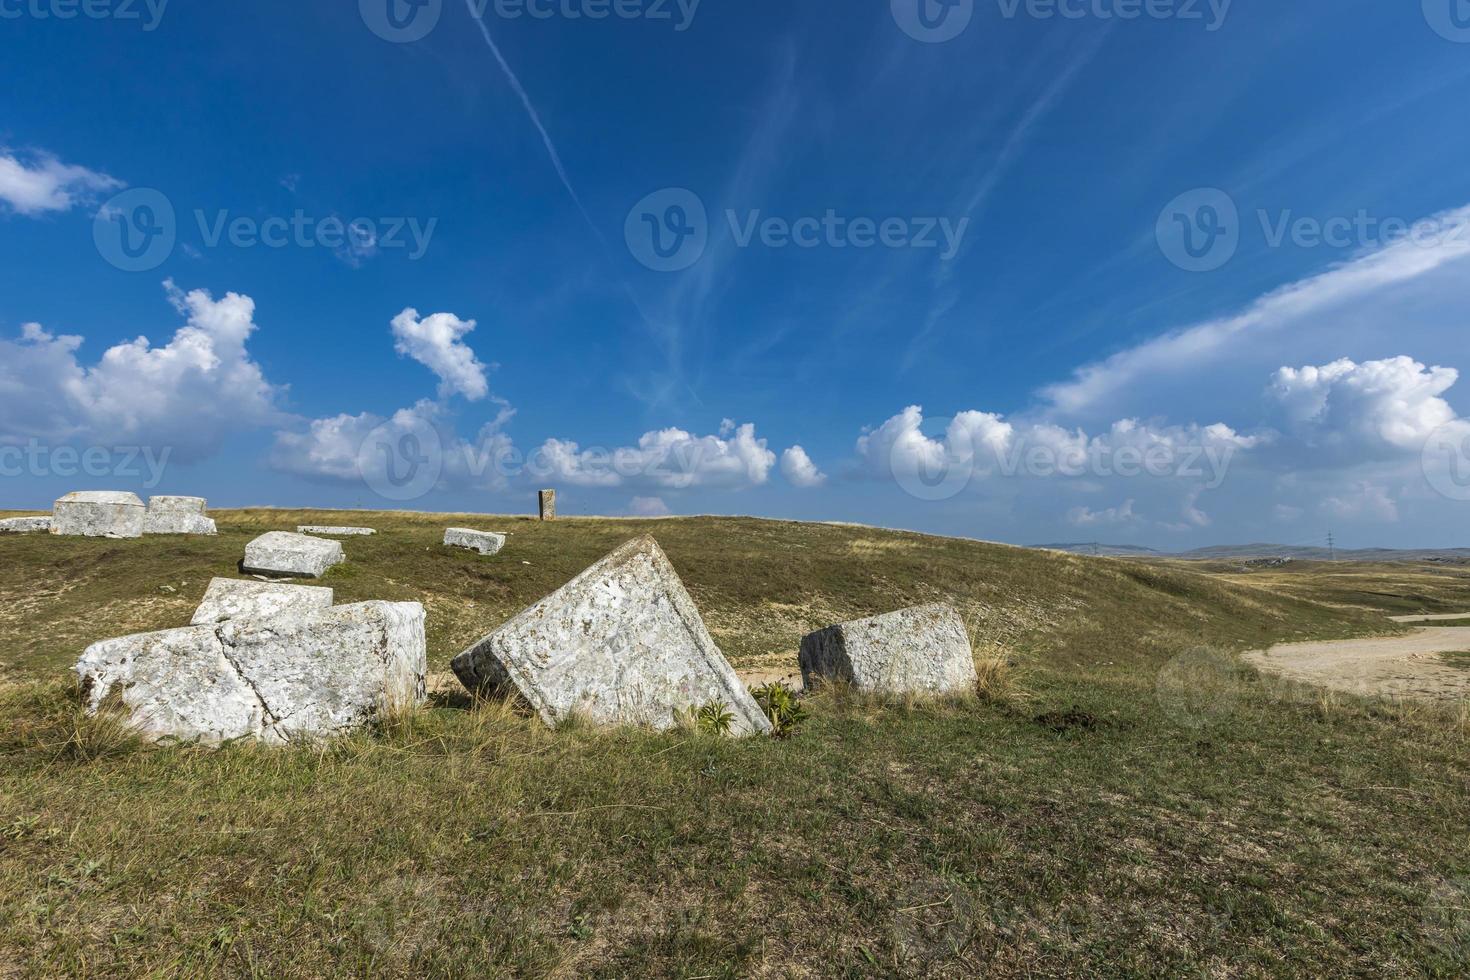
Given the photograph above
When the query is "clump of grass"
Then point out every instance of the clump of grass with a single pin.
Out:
(782, 708)
(998, 675)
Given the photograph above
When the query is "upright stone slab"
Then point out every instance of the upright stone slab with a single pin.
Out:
(485, 542)
(325, 531)
(292, 555)
(621, 644)
(177, 515)
(546, 504)
(231, 598)
(98, 514)
(25, 525)
(923, 650)
(274, 680)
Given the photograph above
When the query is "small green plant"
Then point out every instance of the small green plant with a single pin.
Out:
(781, 707)
(714, 718)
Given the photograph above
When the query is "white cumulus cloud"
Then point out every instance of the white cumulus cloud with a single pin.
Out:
(1373, 407)
(47, 184)
(437, 342)
(799, 470)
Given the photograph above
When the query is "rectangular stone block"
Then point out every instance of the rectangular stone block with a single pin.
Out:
(546, 504)
(485, 542)
(336, 532)
(25, 525)
(621, 644)
(230, 598)
(923, 650)
(99, 514)
(177, 515)
(293, 555)
(275, 680)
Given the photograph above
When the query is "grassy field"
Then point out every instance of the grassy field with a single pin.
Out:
(1129, 801)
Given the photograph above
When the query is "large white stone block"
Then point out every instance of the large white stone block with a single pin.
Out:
(287, 554)
(923, 650)
(276, 680)
(485, 542)
(621, 644)
(231, 598)
(98, 514)
(335, 532)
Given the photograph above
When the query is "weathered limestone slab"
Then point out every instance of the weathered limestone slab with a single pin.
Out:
(621, 644)
(485, 542)
(923, 650)
(230, 598)
(25, 525)
(177, 515)
(284, 553)
(336, 532)
(546, 504)
(274, 680)
(98, 514)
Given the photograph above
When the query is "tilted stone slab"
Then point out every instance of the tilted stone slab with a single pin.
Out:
(25, 525)
(923, 650)
(274, 680)
(286, 554)
(485, 542)
(98, 514)
(178, 515)
(621, 644)
(336, 532)
(231, 598)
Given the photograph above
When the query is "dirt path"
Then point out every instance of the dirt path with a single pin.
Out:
(1402, 666)
(1441, 617)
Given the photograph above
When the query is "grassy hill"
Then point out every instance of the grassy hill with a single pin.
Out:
(1132, 801)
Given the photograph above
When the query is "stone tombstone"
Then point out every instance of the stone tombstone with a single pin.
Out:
(621, 644)
(485, 542)
(177, 515)
(99, 514)
(546, 502)
(923, 650)
(230, 598)
(327, 531)
(292, 555)
(274, 680)
(25, 525)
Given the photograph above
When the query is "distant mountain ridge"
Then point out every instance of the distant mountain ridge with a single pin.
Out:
(1233, 552)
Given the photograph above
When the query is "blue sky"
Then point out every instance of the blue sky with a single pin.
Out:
(1145, 279)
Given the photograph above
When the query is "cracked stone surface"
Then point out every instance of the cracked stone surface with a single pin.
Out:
(99, 514)
(297, 676)
(229, 598)
(485, 542)
(621, 644)
(287, 554)
(177, 515)
(25, 525)
(923, 650)
(336, 532)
